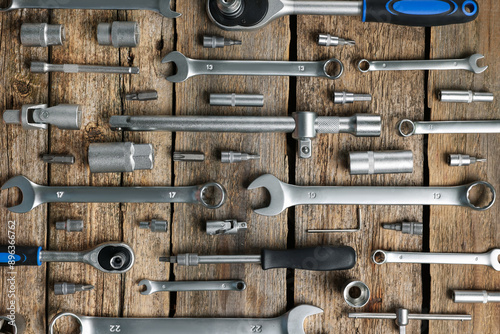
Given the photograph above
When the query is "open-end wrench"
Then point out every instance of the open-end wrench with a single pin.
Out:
(159, 6)
(110, 257)
(408, 128)
(486, 259)
(291, 322)
(187, 67)
(152, 286)
(469, 64)
(284, 195)
(35, 194)
(255, 14)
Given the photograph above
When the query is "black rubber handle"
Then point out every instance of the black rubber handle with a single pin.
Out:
(423, 13)
(321, 258)
(20, 256)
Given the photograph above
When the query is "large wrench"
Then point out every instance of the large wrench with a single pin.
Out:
(291, 322)
(469, 64)
(187, 67)
(284, 195)
(153, 286)
(35, 194)
(159, 6)
(409, 128)
(486, 259)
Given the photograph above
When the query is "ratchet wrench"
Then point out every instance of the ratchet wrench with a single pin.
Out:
(35, 194)
(284, 195)
(187, 67)
(153, 287)
(110, 257)
(486, 259)
(469, 64)
(255, 14)
(409, 128)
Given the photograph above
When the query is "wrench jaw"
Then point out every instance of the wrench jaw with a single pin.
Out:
(277, 192)
(293, 321)
(473, 60)
(495, 258)
(165, 10)
(182, 64)
(28, 190)
(62, 315)
(147, 284)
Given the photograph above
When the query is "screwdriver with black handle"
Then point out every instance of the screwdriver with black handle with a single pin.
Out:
(320, 258)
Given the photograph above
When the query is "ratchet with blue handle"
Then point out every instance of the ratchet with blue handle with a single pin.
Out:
(255, 14)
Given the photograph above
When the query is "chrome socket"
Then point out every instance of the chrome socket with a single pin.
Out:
(364, 295)
(382, 162)
(464, 96)
(42, 34)
(120, 157)
(237, 100)
(118, 34)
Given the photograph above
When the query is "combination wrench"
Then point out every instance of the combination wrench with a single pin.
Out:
(159, 6)
(35, 194)
(469, 64)
(154, 286)
(408, 128)
(490, 258)
(187, 67)
(291, 322)
(110, 257)
(284, 195)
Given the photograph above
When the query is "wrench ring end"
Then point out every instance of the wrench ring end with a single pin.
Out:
(147, 284)
(61, 315)
(364, 62)
(340, 72)
(412, 127)
(216, 185)
(381, 255)
(490, 187)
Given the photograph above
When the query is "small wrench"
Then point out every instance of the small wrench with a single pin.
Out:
(408, 128)
(284, 195)
(469, 64)
(34, 194)
(486, 259)
(152, 286)
(187, 67)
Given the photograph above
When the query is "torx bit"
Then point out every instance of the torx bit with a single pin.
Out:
(231, 157)
(462, 160)
(155, 225)
(149, 95)
(64, 288)
(58, 159)
(329, 40)
(42, 67)
(189, 156)
(70, 225)
(213, 42)
(406, 227)
(345, 97)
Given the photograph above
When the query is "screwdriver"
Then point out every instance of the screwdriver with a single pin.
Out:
(320, 258)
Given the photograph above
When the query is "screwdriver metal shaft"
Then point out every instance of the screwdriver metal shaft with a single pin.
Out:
(42, 67)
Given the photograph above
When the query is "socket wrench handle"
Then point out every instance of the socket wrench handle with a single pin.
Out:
(408, 128)
(20, 256)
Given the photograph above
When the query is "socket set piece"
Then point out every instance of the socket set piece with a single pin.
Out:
(303, 125)
(70, 225)
(484, 297)
(406, 227)
(457, 160)
(153, 287)
(40, 116)
(155, 225)
(408, 128)
(63, 288)
(118, 34)
(383, 162)
(329, 40)
(232, 157)
(58, 159)
(237, 100)
(345, 97)
(42, 34)
(120, 157)
(213, 42)
(464, 96)
(229, 226)
(149, 95)
(364, 295)
(42, 67)
(189, 156)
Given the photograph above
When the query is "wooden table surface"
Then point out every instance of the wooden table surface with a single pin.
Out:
(396, 95)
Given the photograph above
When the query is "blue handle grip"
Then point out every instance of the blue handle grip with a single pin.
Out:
(20, 255)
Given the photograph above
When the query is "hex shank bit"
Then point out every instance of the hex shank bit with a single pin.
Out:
(41, 67)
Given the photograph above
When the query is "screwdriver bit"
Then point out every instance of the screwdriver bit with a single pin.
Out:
(58, 159)
(64, 288)
(149, 95)
(42, 67)
(462, 160)
(344, 97)
(329, 40)
(155, 225)
(406, 227)
(213, 42)
(231, 157)
(189, 156)
(70, 225)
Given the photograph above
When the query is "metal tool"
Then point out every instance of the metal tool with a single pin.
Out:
(464, 296)
(70, 225)
(155, 225)
(228, 226)
(63, 288)
(381, 162)
(408, 128)
(251, 14)
(464, 96)
(110, 257)
(358, 301)
(119, 34)
(303, 125)
(12, 323)
(321, 258)
(237, 100)
(162, 6)
(347, 230)
(187, 67)
(68, 159)
(213, 42)
(406, 227)
(42, 34)
(34, 194)
(39, 116)
(232, 157)
(120, 157)
(403, 316)
(189, 156)
(284, 195)
(329, 40)
(462, 160)
(469, 64)
(42, 67)
(291, 322)
(344, 97)
(153, 287)
(490, 258)
(149, 95)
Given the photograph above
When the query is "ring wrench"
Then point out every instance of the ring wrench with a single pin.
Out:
(291, 322)
(486, 259)
(255, 14)
(110, 257)
(187, 67)
(153, 287)
(284, 195)
(469, 64)
(443, 127)
(159, 6)
(35, 194)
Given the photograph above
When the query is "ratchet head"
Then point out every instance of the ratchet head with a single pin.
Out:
(276, 190)
(165, 10)
(28, 191)
(293, 321)
(473, 63)
(182, 64)
(111, 257)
